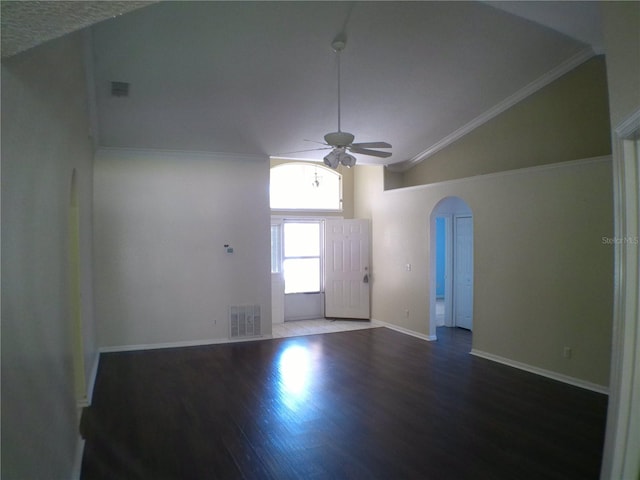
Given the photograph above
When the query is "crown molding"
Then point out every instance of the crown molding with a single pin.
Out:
(552, 75)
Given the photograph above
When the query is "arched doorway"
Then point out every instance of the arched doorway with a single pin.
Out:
(451, 265)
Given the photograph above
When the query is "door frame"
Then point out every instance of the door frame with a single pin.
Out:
(281, 220)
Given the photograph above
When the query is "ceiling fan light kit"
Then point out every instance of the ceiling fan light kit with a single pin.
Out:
(340, 142)
(339, 156)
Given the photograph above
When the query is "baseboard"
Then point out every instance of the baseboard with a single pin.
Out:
(188, 343)
(576, 382)
(406, 331)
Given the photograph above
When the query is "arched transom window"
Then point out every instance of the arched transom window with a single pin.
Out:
(304, 186)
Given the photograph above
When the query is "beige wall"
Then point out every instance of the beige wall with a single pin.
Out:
(367, 187)
(566, 120)
(347, 193)
(44, 137)
(393, 179)
(543, 278)
(162, 274)
(622, 38)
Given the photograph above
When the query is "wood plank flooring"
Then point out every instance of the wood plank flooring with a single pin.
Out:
(365, 404)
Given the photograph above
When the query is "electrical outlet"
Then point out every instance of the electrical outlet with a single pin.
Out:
(408, 267)
(406, 313)
(566, 352)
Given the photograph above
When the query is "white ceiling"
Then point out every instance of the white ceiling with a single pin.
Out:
(260, 77)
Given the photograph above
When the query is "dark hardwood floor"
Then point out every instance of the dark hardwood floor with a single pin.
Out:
(364, 404)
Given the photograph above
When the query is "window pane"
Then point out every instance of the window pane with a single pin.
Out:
(300, 186)
(301, 275)
(301, 239)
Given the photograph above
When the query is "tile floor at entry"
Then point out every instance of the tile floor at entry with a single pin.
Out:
(296, 328)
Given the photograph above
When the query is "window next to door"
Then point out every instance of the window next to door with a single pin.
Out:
(301, 260)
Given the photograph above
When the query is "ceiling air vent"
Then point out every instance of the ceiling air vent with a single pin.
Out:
(119, 89)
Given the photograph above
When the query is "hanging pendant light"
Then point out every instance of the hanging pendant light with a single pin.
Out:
(316, 180)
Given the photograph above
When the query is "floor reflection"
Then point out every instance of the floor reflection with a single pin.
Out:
(297, 368)
(294, 367)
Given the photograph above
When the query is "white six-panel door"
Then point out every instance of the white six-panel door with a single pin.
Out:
(347, 268)
(463, 272)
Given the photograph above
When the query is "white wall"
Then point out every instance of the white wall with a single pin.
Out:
(452, 206)
(162, 274)
(44, 137)
(542, 276)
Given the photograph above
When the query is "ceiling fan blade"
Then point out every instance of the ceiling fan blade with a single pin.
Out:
(373, 153)
(314, 141)
(302, 151)
(372, 161)
(372, 145)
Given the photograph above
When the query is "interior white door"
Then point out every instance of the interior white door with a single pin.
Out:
(347, 268)
(463, 272)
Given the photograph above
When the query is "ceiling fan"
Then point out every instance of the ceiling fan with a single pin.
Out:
(341, 143)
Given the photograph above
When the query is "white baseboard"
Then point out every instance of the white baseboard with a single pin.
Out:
(406, 331)
(188, 343)
(541, 371)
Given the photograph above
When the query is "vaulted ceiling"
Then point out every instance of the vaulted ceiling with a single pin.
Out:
(261, 77)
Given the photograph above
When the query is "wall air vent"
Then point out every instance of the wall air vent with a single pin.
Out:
(244, 321)
(119, 89)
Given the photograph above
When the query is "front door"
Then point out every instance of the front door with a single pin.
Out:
(347, 268)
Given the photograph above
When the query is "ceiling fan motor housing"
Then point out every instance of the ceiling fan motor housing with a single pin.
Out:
(339, 139)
